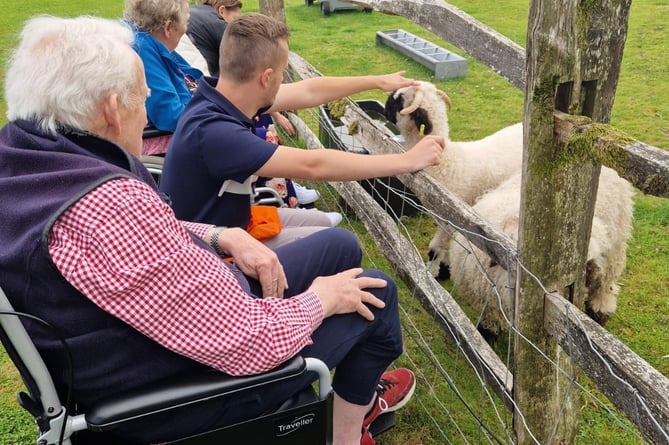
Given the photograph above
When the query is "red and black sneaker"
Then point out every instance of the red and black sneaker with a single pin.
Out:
(393, 391)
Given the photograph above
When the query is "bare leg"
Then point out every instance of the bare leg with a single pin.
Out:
(347, 421)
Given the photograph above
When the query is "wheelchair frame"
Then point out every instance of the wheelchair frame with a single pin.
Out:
(303, 420)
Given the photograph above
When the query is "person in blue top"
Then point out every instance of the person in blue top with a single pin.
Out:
(158, 26)
(215, 156)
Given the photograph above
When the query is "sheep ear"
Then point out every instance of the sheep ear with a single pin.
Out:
(394, 103)
(421, 118)
(417, 100)
(445, 98)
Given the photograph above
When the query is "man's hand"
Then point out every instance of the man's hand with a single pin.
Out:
(343, 293)
(255, 260)
(427, 152)
(394, 81)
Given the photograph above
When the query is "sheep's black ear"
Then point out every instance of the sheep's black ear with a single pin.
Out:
(420, 117)
(393, 107)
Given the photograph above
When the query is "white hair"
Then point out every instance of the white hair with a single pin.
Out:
(64, 68)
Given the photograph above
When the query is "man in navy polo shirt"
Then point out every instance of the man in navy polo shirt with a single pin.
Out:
(214, 155)
(91, 248)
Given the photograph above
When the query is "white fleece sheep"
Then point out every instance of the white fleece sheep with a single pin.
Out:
(611, 229)
(468, 169)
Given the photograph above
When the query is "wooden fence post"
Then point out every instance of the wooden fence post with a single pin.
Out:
(574, 51)
(273, 8)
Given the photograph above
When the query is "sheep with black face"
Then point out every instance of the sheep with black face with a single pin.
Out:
(468, 169)
(486, 174)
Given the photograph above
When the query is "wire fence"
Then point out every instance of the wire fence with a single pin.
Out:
(456, 402)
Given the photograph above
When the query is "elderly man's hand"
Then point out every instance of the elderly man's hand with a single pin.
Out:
(345, 292)
(255, 260)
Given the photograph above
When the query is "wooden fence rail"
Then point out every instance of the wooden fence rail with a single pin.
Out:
(625, 378)
(439, 200)
(636, 388)
(645, 166)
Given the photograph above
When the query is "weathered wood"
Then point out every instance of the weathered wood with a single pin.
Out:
(634, 386)
(410, 267)
(645, 166)
(573, 60)
(298, 68)
(438, 199)
(273, 8)
(491, 48)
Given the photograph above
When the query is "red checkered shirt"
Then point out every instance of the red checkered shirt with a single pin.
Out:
(123, 248)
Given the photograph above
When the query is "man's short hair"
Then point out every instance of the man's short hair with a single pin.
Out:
(251, 43)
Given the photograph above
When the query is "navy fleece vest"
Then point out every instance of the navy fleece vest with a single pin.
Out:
(41, 175)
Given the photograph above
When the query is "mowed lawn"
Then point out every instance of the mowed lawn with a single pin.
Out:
(344, 44)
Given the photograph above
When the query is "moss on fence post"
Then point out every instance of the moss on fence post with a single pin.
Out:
(574, 53)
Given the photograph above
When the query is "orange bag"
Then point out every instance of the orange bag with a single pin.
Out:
(265, 222)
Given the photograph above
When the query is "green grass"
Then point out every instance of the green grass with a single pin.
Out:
(344, 44)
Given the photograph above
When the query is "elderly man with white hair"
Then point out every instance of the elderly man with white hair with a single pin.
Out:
(89, 246)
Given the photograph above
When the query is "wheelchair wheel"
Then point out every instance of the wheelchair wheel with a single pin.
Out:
(325, 8)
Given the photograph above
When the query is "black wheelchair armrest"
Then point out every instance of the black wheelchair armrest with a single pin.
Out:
(153, 132)
(180, 391)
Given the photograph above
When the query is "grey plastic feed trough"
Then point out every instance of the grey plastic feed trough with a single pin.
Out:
(443, 63)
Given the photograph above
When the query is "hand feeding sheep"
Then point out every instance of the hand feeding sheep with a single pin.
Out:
(468, 169)
(473, 271)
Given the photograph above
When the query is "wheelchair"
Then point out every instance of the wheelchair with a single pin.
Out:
(304, 419)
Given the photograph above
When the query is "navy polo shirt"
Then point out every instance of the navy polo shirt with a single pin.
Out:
(214, 147)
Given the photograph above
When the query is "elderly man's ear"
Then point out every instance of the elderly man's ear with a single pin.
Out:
(111, 114)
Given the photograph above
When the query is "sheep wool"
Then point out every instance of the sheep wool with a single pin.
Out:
(468, 168)
(486, 174)
(474, 273)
